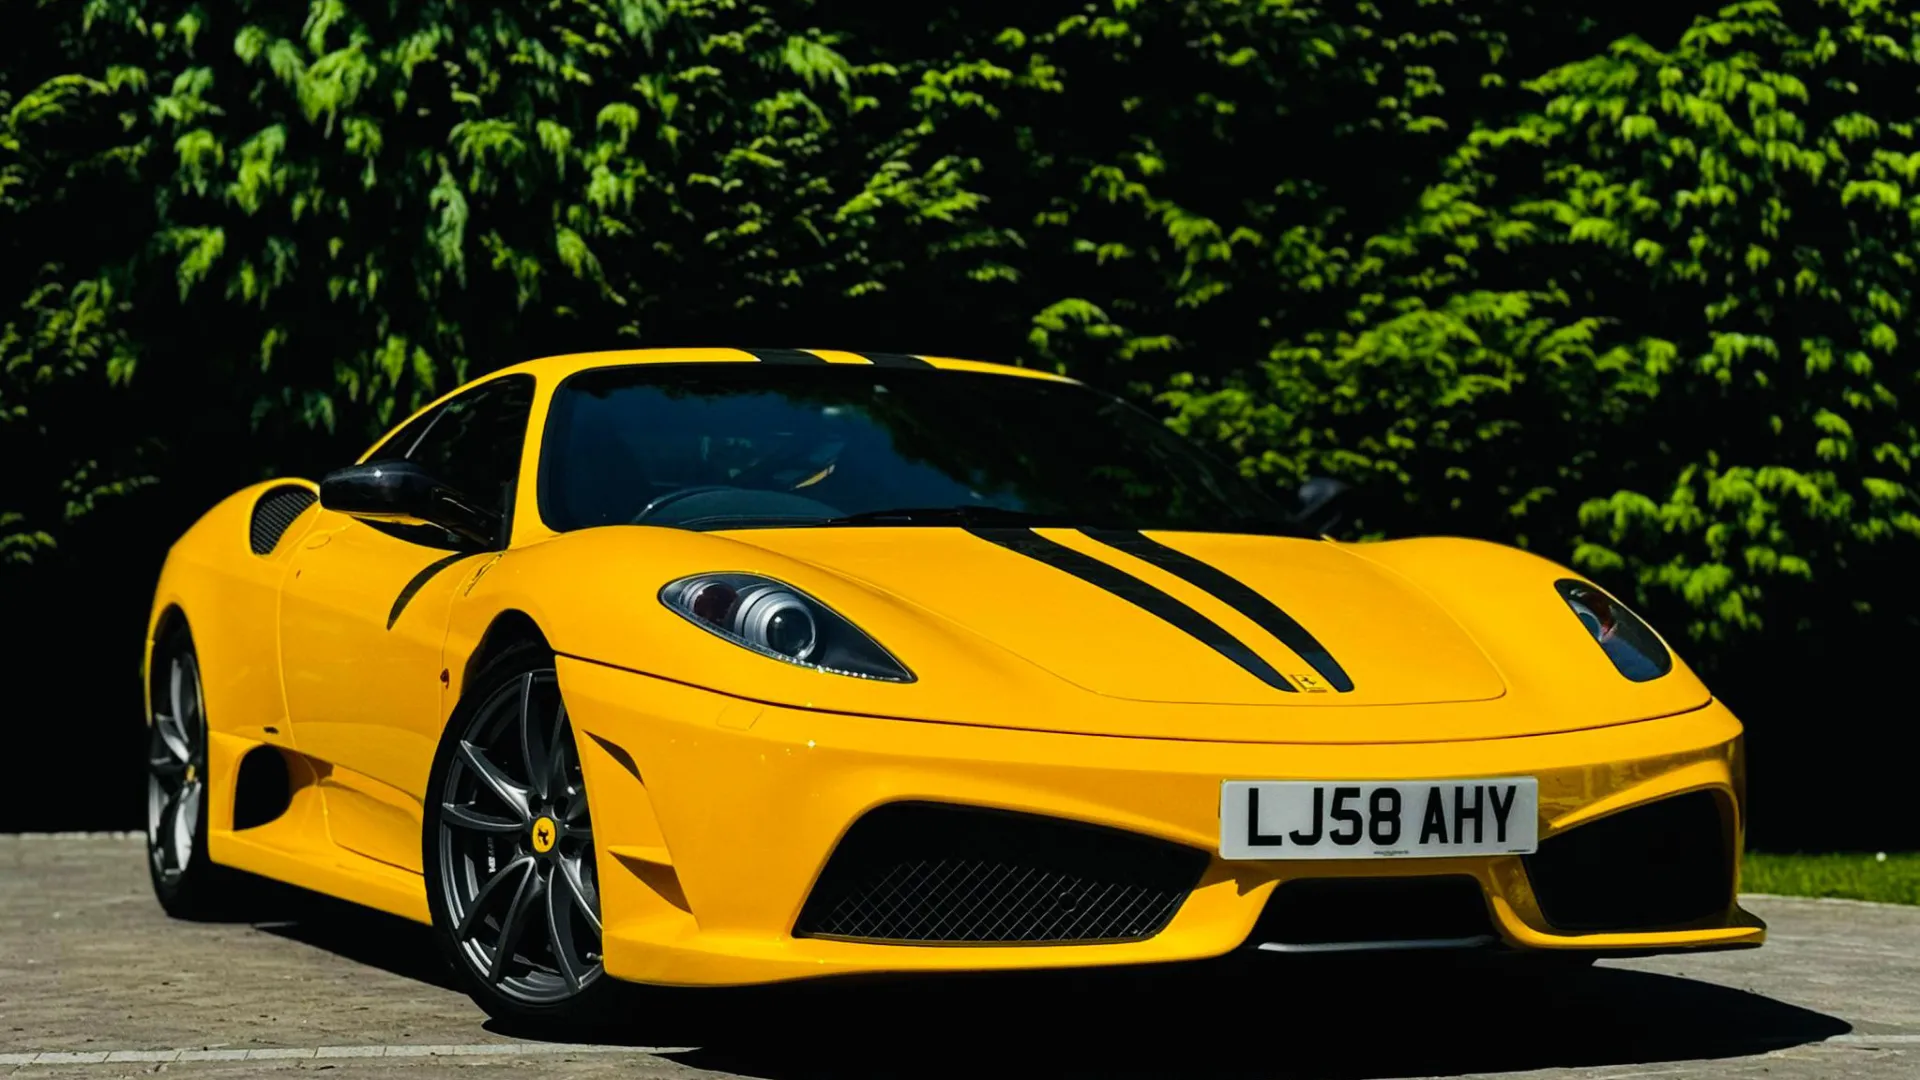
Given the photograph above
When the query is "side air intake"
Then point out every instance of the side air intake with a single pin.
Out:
(1659, 866)
(273, 513)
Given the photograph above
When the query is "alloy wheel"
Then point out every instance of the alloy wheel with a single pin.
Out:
(516, 847)
(176, 767)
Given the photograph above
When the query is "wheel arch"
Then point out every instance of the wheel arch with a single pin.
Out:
(169, 616)
(508, 628)
(536, 596)
(172, 614)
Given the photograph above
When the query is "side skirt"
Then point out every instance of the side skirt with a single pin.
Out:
(295, 847)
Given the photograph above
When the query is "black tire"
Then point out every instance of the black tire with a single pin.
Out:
(185, 880)
(488, 876)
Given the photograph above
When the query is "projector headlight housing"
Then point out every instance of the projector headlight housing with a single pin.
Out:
(779, 621)
(1636, 651)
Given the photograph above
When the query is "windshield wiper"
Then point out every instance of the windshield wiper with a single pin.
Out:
(941, 515)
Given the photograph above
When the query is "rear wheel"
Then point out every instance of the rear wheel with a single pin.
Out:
(187, 883)
(509, 859)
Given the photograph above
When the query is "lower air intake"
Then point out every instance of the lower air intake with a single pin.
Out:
(1662, 865)
(1312, 914)
(926, 873)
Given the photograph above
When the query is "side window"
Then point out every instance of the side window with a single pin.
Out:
(471, 444)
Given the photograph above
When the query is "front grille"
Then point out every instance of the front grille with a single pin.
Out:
(273, 513)
(1327, 911)
(1665, 864)
(928, 873)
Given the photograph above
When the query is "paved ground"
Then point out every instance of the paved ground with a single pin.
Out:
(90, 968)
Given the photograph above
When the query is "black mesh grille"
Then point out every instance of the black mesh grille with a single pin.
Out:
(1318, 911)
(927, 873)
(1665, 864)
(274, 511)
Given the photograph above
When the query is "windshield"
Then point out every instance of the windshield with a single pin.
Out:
(722, 446)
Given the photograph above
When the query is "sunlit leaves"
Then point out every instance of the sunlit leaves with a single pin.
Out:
(1638, 301)
(1704, 258)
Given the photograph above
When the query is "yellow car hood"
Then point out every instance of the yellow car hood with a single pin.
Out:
(1442, 639)
(1109, 615)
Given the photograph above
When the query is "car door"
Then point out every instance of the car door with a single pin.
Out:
(363, 618)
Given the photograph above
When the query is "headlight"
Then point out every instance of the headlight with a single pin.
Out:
(1627, 641)
(777, 620)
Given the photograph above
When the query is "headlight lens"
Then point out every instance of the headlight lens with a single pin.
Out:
(1628, 642)
(777, 620)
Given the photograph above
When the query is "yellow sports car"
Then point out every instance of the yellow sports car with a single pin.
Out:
(721, 666)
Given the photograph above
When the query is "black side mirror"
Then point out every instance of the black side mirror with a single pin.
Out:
(1320, 510)
(402, 492)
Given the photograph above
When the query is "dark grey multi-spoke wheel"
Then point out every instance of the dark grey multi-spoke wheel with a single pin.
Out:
(509, 848)
(176, 764)
(187, 883)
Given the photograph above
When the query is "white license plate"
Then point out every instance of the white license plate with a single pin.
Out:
(1417, 819)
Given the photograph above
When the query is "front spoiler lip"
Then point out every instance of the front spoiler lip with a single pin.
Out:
(1486, 943)
(1322, 948)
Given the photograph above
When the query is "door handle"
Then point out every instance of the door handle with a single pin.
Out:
(318, 540)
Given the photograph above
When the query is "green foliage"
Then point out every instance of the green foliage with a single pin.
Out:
(1629, 289)
(62, 335)
(1882, 877)
(1650, 321)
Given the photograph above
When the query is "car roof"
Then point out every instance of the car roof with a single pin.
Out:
(559, 367)
(550, 370)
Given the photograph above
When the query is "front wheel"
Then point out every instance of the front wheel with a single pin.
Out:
(508, 851)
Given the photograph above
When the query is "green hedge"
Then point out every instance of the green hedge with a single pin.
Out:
(1630, 288)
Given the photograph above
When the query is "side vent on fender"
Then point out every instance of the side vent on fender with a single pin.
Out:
(263, 790)
(273, 513)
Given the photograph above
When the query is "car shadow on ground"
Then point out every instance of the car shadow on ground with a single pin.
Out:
(348, 930)
(1260, 1016)
(1253, 1015)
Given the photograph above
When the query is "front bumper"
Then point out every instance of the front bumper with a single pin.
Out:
(713, 817)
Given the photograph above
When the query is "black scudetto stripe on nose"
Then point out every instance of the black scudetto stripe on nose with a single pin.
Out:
(1235, 594)
(1139, 594)
(784, 356)
(894, 359)
(419, 581)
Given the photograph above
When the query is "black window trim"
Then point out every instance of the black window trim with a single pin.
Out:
(431, 414)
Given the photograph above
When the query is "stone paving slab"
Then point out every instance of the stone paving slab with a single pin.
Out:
(96, 982)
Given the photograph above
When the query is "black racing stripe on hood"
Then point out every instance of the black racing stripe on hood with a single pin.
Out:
(1234, 593)
(784, 356)
(894, 359)
(1138, 593)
